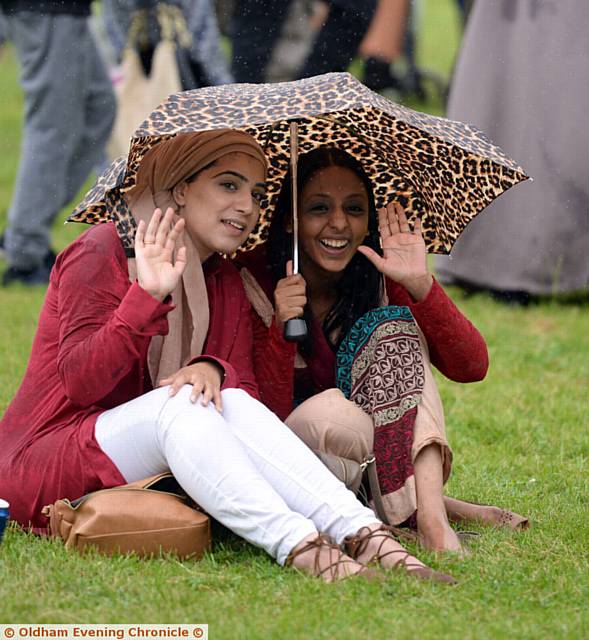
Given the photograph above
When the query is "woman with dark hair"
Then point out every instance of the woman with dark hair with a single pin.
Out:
(344, 274)
(359, 288)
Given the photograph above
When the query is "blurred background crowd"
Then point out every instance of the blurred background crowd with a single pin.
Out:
(91, 71)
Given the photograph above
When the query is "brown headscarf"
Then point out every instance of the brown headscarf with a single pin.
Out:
(162, 168)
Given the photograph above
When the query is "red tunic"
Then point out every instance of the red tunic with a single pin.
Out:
(456, 348)
(90, 354)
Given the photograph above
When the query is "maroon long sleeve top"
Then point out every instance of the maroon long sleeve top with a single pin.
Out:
(90, 354)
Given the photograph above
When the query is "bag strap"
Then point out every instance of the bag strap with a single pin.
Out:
(137, 33)
(369, 465)
(172, 24)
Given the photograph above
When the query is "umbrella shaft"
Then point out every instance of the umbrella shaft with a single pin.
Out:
(295, 234)
(294, 156)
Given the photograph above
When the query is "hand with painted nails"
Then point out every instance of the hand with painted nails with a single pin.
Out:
(206, 379)
(404, 258)
(158, 271)
(289, 296)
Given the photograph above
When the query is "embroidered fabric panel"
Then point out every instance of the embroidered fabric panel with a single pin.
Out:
(381, 369)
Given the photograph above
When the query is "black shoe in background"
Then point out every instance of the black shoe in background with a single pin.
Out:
(30, 277)
(49, 259)
(513, 298)
(37, 276)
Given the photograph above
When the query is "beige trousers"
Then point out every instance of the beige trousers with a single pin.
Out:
(331, 423)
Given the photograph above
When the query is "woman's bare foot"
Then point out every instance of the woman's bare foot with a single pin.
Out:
(319, 556)
(375, 543)
(436, 534)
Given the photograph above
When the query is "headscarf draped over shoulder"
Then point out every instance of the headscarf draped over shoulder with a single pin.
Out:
(163, 167)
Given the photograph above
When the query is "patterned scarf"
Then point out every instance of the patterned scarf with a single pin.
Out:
(379, 366)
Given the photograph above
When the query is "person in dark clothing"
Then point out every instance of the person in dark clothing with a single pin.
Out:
(257, 26)
(340, 37)
(68, 118)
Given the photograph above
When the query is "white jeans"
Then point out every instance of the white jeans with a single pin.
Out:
(244, 467)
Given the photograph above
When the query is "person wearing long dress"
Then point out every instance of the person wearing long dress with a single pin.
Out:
(523, 78)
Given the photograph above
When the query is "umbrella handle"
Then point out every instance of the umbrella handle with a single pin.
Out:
(295, 330)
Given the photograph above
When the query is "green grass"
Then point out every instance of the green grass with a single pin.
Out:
(519, 440)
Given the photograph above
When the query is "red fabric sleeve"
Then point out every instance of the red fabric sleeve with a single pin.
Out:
(274, 360)
(456, 347)
(104, 325)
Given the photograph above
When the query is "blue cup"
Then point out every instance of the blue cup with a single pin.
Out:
(3, 516)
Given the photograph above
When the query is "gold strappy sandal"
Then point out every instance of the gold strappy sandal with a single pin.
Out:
(335, 569)
(357, 544)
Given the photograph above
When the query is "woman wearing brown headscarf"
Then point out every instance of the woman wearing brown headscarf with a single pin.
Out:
(142, 365)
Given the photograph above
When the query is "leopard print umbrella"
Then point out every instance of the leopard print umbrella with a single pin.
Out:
(443, 171)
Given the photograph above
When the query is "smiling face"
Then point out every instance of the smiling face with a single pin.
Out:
(333, 219)
(221, 205)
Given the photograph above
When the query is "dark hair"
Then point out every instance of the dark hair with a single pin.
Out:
(360, 286)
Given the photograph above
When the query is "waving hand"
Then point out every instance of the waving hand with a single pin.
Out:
(404, 258)
(157, 271)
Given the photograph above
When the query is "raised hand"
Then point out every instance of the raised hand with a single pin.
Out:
(289, 297)
(157, 272)
(404, 258)
(205, 377)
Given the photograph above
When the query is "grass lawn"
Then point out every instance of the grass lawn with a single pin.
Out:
(519, 440)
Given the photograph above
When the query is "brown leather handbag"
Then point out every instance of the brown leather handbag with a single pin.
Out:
(147, 517)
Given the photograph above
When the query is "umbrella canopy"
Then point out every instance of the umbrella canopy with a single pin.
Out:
(442, 171)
